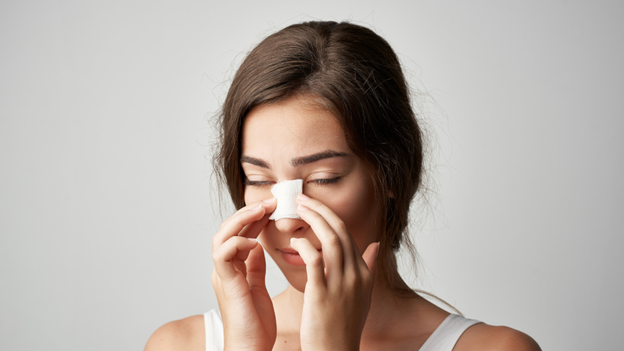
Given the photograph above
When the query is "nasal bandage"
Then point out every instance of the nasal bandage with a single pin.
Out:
(286, 193)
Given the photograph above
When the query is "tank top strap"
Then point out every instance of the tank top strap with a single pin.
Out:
(214, 330)
(448, 332)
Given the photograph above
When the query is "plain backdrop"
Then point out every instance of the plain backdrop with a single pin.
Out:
(107, 206)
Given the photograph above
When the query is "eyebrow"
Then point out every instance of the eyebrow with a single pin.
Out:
(254, 161)
(297, 161)
(300, 161)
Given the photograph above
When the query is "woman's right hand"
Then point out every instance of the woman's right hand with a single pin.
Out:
(238, 279)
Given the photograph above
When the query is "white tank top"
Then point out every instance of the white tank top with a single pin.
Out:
(214, 330)
(443, 338)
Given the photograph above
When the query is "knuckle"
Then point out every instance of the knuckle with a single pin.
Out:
(314, 205)
(316, 261)
(218, 256)
(317, 205)
(334, 241)
(352, 280)
(340, 226)
(225, 223)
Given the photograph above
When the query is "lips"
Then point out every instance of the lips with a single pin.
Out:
(292, 257)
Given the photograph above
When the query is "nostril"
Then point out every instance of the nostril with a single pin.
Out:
(290, 225)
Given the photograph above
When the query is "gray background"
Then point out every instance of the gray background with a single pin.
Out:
(106, 203)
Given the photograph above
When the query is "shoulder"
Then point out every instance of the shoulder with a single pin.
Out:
(485, 337)
(183, 334)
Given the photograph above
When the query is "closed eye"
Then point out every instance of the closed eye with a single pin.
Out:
(326, 181)
(258, 183)
(263, 183)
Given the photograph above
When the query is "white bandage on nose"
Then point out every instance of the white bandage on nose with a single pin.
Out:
(286, 193)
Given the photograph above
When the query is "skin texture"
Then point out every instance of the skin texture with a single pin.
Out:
(337, 300)
(299, 130)
(310, 145)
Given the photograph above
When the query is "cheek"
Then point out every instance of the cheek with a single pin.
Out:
(355, 205)
(255, 194)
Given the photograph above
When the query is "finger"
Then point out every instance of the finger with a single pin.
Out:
(269, 203)
(226, 255)
(313, 259)
(330, 217)
(370, 257)
(253, 229)
(236, 223)
(256, 268)
(331, 243)
(256, 271)
(247, 215)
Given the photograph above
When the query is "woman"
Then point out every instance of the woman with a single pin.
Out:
(326, 103)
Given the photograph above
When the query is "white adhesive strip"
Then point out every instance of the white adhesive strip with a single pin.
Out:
(286, 193)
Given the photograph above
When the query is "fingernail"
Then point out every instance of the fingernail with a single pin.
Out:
(303, 197)
(268, 201)
(253, 240)
(302, 208)
(292, 240)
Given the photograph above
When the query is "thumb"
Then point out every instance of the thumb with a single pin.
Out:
(370, 257)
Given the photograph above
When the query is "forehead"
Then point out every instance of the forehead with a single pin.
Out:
(294, 127)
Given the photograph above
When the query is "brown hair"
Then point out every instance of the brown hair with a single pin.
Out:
(356, 75)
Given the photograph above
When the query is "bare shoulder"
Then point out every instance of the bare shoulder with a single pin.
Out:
(183, 334)
(485, 337)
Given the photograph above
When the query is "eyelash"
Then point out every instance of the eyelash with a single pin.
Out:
(326, 181)
(316, 181)
(257, 183)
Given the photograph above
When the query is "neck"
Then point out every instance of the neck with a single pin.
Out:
(387, 304)
(288, 308)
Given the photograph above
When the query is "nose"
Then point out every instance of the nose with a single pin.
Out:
(291, 226)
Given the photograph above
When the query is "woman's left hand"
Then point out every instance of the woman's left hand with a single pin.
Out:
(339, 281)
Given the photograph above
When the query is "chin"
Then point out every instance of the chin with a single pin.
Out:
(297, 279)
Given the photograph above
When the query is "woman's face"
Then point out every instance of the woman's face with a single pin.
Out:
(295, 139)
